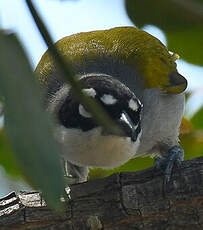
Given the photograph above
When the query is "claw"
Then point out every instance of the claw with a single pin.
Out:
(166, 164)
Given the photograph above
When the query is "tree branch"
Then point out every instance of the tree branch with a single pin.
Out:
(121, 201)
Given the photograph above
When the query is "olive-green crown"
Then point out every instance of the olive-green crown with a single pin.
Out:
(133, 46)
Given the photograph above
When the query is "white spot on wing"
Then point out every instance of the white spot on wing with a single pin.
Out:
(83, 112)
(89, 92)
(133, 105)
(108, 99)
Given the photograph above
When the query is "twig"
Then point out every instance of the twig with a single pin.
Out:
(95, 109)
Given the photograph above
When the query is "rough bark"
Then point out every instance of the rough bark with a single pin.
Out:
(121, 201)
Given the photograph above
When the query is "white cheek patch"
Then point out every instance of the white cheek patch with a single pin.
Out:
(89, 92)
(133, 105)
(83, 112)
(108, 99)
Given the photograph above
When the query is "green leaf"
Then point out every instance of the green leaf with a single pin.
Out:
(132, 165)
(192, 144)
(197, 119)
(7, 159)
(181, 21)
(1, 109)
(28, 126)
(187, 43)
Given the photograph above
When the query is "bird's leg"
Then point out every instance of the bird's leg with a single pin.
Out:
(174, 157)
(75, 174)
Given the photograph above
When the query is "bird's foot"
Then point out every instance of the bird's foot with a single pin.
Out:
(73, 175)
(166, 164)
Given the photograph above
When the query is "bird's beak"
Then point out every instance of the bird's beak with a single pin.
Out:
(127, 126)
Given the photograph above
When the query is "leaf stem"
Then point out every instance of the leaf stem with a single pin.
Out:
(95, 109)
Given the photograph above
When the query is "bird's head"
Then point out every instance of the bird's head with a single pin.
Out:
(133, 47)
(85, 142)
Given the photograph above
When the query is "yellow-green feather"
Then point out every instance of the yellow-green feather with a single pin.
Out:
(130, 45)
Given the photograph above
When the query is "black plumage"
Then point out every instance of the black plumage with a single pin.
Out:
(70, 117)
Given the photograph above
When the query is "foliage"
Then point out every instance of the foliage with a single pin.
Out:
(180, 20)
(28, 127)
(193, 141)
(7, 158)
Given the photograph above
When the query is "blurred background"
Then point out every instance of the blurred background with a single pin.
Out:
(66, 17)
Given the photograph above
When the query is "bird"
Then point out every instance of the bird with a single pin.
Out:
(134, 78)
